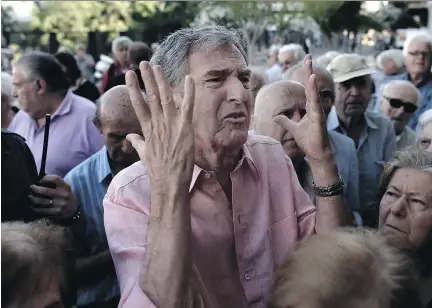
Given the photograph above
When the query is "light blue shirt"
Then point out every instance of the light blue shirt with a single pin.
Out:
(425, 89)
(346, 160)
(345, 154)
(376, 146)
(89, 181)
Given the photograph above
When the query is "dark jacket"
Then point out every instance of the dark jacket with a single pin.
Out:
(18, 172)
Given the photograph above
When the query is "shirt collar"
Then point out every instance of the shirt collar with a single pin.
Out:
(65, 106)
(333, 120)
(245, 156)
(104, 169)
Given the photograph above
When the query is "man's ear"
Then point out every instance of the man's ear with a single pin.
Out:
(41, 86)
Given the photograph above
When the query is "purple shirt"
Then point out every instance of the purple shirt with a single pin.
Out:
(73, 137)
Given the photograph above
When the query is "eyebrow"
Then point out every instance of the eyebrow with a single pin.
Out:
(409, 194)
(226, 72)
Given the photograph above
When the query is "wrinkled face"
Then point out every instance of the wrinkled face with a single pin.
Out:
(325, 87)
(121, 55)
(29, 94)
(222, 109)
(114, 131)
(390, 68)
(290, 103)
(287, 60)
(398, 104)
(426, 137)
(352, 97)
(418, 59)
(406, 208)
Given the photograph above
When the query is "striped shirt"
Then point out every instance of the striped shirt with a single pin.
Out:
(89, 182)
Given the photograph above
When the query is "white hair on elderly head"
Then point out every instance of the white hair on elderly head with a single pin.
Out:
(395, 55)
(323, 61)
(425, 118)
(296, 49)
(6, 85)
(120, 42)
(418, 38)
(399, 83)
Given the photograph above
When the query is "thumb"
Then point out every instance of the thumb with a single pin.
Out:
(137, 142)
(286, 123)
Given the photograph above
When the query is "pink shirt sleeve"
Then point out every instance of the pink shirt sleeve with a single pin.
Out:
(306, 211)
(126, 229)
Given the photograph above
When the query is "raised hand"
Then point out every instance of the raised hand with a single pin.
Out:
(168, 146)
(310, 133)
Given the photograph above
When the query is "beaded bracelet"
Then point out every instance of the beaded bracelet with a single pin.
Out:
(329, 191)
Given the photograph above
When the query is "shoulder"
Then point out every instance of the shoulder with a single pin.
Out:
(378, 119)
(342, 142)
(8, 135)
(85, 169)
(131, 183)
(83, 107)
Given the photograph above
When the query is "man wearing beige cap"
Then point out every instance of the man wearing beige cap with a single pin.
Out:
(372, 134)
(398, 102)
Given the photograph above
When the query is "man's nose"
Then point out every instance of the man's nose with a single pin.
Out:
(127, 147)
(397, 112)
(236, 92)
(355, 90)
(296, 117)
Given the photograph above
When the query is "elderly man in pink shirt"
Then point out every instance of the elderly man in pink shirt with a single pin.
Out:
(209, 213)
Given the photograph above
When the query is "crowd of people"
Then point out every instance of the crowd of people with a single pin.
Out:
(189, 180)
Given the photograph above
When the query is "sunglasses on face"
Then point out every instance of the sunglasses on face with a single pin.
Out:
(326, 94)
(397, 103)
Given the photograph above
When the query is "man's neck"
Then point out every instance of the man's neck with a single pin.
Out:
(220, 161)
(419, 78)
(348, 122)
(52, 104)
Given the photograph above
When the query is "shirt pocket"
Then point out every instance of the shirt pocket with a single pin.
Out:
(283, 237)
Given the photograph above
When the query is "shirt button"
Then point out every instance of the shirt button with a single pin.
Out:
(247, 277)
(207, 175)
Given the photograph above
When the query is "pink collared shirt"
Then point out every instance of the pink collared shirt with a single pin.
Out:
(236, 247)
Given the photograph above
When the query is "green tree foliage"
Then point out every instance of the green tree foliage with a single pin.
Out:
(8, 18)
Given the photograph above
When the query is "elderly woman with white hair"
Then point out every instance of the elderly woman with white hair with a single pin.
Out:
(7, 112)
(289, 55)
(120, 47)
(425, 123)
(417, 53)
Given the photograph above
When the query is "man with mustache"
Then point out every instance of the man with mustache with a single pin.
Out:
(211, 203)
(372, 134)
(399, 101)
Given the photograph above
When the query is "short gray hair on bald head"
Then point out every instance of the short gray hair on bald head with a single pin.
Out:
(120, 42)
(395, 55)
(296, 49)
(173, 53)
(399, 83)
(418, 38)
(315, 67)
(6, 85)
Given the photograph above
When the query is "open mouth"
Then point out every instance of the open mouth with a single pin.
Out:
(235, 115)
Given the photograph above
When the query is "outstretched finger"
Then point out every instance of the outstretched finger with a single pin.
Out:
(308, 65)
(286, 124)
(165, 93)
(137, 98)
(152, 89)
(188, 100)
(313, 97)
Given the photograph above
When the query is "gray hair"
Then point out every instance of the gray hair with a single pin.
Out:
(296, 49)
(120, 42)
(401, 83)
(315, 67)
(6, 85)
(412, 157)
(425, 118)
(80, 46)
(395, 55)
(31, 254)
(173, 53)
(418, 38)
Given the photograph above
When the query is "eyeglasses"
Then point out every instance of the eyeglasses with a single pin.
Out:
(397, 103)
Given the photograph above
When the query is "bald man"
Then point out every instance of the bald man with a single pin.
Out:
(399, 100)
(115, 118)
(288, 98)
